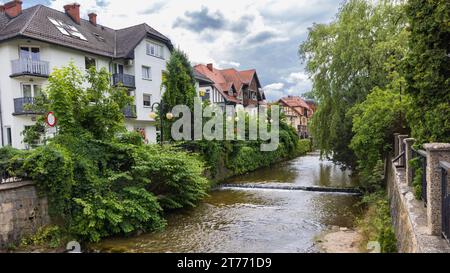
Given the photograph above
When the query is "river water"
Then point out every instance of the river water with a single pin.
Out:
(256, 220)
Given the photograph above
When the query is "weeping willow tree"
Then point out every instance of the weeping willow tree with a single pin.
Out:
(346, 60)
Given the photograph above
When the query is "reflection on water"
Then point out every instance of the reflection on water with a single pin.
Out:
(303, 171)
(254, 220)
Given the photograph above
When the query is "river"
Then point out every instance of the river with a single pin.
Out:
(256, 220)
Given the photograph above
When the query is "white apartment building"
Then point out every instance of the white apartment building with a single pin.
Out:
(36, 40)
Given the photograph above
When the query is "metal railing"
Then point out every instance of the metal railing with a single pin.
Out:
(130, 111)
(422, 155)
(445, 166)
(399, 160)
(23, 106)
(125, 79)
(30, 67)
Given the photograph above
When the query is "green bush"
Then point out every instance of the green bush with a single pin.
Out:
(377, 225)
(108, 213)
(176, 176)
(47, 236)
(52, 167)
(303, 147)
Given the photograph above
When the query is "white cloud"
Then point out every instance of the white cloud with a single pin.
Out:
(225, 64)
(297, 77)
(274, 86)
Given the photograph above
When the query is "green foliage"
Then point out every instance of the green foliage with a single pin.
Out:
(176, 176)
(47, 236)
(11, 161)
(304, 146)
(105, 212)
(95, 111)
(178, 81)
(376, 225)
(428, 69)
(374, 123)
(240, 157)
(347, 60)
(179, 85)
(51, 167)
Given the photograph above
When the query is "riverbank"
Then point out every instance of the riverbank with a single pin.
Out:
(340, 240)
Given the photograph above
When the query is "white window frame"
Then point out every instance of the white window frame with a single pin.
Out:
(30, 55)
(158, 49)
(149, 68)
(32, 85)
(143, 100)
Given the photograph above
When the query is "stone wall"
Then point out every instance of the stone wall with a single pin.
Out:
(22, 211)
(410, 217)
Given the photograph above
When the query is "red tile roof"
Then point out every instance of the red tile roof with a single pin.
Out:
(296, 103)
(227, 79)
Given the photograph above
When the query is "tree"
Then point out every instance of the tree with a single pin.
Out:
(179, 85)
(179, 81)
(428, 69)
(95, 110)
(374, 123)
(346, 60)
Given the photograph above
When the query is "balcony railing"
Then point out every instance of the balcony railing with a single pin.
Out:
(29, 67)
(125, 79)
(130, 111)
(22, 106)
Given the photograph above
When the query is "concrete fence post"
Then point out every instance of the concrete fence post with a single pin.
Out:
(396, 144)
(409, 142)
(435, 152)
(401, 148)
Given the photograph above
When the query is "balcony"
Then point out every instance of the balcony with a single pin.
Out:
(22, 106)
(130, 111)
(28, 67)
(126, 80)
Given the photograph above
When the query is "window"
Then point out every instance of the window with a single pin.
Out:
(89, 62)
(118, 68)
(8, 136)
(147, 98)
(67, 29)
(32, 53)
(146, 73)
(31, 90)
(155, 50)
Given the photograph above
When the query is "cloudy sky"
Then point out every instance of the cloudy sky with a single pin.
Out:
(261, 34)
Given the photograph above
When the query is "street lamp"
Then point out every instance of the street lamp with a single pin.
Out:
(153, 115)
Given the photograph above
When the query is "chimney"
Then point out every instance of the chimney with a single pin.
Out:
(93, 18)
(13, 8)
(210, 67)
(73, 10)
